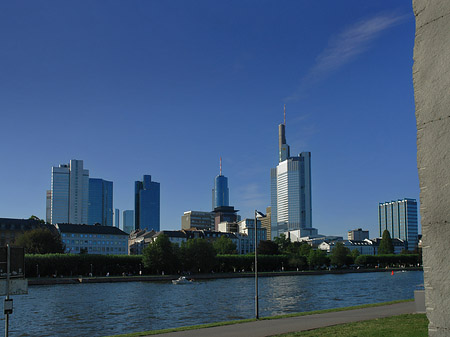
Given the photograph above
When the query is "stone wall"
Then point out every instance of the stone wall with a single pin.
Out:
(431, 74)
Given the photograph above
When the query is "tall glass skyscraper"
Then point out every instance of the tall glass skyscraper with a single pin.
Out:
(147, 204)
(220, 192)
(100, 202)
(69, 193)
(400, 219)
(128, 221)
(291, 191)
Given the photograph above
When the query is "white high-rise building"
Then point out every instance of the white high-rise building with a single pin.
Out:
(291, 210)
(70, 193)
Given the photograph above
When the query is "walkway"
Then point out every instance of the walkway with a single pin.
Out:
(301, 323)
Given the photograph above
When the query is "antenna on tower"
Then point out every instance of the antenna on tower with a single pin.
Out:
(285, 115)
(220, 166)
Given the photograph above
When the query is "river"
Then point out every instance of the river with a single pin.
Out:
(102, 309)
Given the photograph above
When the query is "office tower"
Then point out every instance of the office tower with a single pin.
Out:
(146, 204)
(220, 192)
(128, 221)
(70, 193)
(198, 220)
(400, 219)
(100, 202)
(48, 207)
(116, 218)
(291, 191)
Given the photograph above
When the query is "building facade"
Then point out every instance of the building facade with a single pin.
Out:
(100, 202)
(357, 234)
(128, 221)
(247, 227)
(266, 223)
(147, 204)
(11, 229)
(104, 240)
(197, 220)
(400, 219)
(290, 188)
(70, 193)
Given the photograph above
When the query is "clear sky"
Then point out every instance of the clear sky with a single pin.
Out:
(167, 87)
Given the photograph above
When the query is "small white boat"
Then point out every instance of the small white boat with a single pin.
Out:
(181, 280)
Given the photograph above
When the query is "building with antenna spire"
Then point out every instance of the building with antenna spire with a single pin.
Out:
(291, 211)
(220, 192)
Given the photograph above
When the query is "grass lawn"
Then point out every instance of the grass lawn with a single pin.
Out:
(410, 325)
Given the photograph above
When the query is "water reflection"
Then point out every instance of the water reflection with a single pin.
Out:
(106, 309)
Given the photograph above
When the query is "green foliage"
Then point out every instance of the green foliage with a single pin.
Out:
(237, 263)
(283, 243)
(341, 255)
(355, 254)
(267, 247)
(161, 256)
(34, 217)
(76, 264)
(388, 260)
(318, 258)
(386, 246)
(198, 255)
(224, 245)
(40, 241)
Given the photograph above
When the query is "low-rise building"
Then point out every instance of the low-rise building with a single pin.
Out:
(357, 234)
(93, 239)
(138, 240)
(364, 247)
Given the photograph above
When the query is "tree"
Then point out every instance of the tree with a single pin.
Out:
(341, 255)
(283, 243)
(267, 247)
(40, 241)
(160, 256)
(355, 254)
(198, 255)
(34, 217)
(224, 245)
(317, 258)
(386, 246)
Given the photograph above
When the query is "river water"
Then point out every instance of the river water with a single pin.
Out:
(103, 309)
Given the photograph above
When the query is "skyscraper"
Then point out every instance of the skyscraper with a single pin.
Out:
(400, 219)
(220, 192)
(70, 193)
(128, 221)
(291, 191)
(147, 204)
(100, 202)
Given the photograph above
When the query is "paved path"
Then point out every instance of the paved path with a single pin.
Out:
(301, 323)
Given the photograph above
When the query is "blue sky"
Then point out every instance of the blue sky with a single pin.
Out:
(167, 87)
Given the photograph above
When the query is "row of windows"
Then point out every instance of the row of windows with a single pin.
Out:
(99, 249)
(76, 242)
(90, 236)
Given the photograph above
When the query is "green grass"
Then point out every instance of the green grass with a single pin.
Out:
(410, 325)
(210, 325)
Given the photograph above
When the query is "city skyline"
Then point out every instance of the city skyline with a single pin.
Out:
(165, 88)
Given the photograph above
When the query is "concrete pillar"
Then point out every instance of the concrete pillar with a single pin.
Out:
(431, 74)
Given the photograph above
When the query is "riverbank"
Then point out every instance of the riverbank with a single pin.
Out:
(162, 278)
(279, 325)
